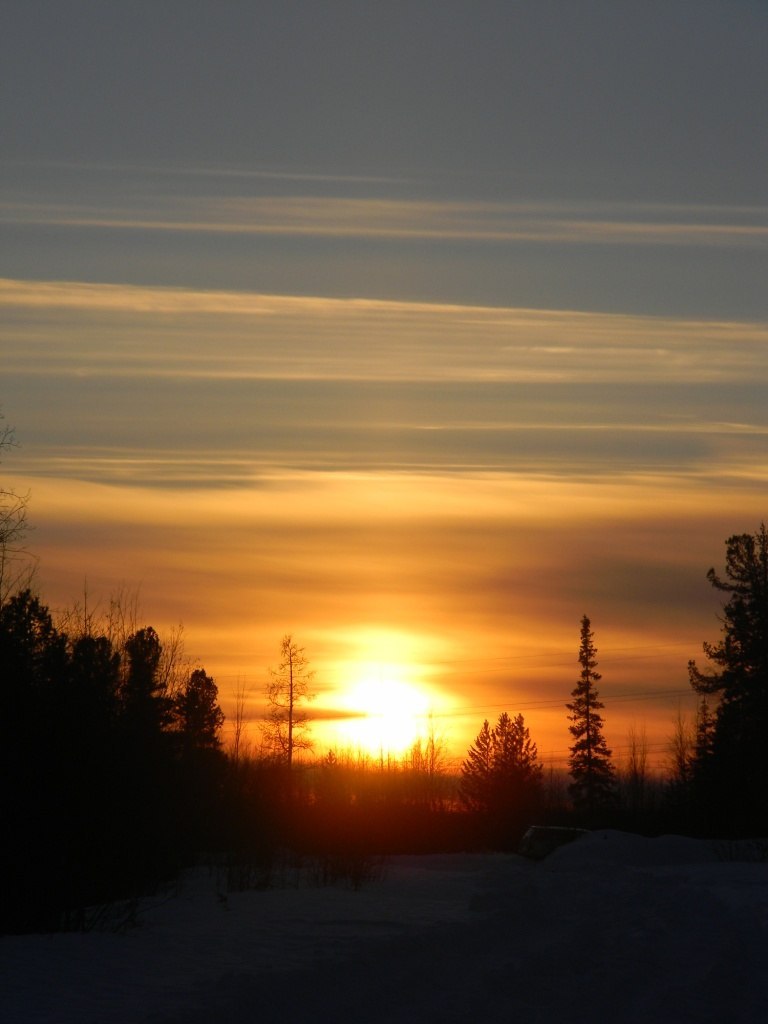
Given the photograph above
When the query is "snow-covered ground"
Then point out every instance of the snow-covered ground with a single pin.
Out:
(611, 928)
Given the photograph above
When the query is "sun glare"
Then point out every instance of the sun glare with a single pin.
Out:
(387, 713)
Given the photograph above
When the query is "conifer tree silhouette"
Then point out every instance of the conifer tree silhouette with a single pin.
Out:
(731, 769)
(590, 759)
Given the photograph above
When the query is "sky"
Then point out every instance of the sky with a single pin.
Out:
(414, 330)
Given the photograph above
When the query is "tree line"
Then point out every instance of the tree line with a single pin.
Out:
(718, 784)
(115, 777)
(111, 760)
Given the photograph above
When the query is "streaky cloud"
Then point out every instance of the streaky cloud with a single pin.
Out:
(211, 171)
(229, 335)
(414, 219)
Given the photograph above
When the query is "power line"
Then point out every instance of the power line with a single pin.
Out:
(553, 702)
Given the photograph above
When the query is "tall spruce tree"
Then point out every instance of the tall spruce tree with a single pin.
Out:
(589, 764)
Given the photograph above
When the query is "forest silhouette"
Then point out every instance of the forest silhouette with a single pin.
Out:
(115, 776)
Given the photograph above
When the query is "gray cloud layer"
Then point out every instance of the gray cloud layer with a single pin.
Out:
(175, 385)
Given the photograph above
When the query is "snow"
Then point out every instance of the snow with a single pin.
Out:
(611, 927)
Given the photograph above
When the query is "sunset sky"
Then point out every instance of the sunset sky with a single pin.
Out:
(415, 330)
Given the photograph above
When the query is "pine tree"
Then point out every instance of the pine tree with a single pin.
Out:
(501, 774)
(198, 715)
(732, 775)
(515, 753)
(477, 770)
(742, 654)
(590, 761)
(145, 702)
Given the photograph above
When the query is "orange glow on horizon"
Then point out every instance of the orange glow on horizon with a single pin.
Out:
(463, 587)
(387, 693)
(387, 713)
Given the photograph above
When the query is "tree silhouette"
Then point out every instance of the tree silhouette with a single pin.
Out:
(16, 569)
(501, 778)
(32, 651)
(286, 726)
(198, 715)
(197, 721)
(741, 655)
(33, 795)
(732, 754)
(146, 705)
(477, 770)
(516, 762)
(109, 785)
(590, 759)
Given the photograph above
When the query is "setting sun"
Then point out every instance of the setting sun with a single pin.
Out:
(387, 714)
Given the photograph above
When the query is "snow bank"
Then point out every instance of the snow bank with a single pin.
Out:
(611, 927)
(609, 847)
